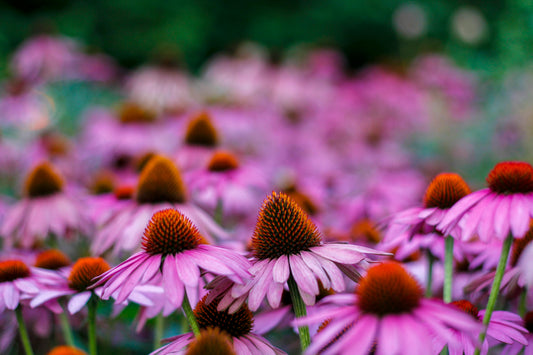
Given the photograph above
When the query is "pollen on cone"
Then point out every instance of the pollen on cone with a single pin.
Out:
(222, 161)
(13, 269)
(283, 228)
(511, 177)
(52, 259)
(388, 289)
(84, 271)
(445, 190)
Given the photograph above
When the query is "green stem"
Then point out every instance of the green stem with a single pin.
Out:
(495, 290)
(298, 306)
(159, 329)
(522, 306)
(92, 305)
(448, 269)
(190, 315)
(429, 283)
(23, 331)
(65, 327)
(219, 212)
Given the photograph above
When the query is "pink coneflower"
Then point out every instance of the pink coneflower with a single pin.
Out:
(16, 284)
(417, 225)
(287, 247)
(76, 285)
(500, 209)
(226, 185)
(237, 325)
(504, 327)
(387, 311)
(173, 254)
(46, 209)
(516, 347)
(160, 186)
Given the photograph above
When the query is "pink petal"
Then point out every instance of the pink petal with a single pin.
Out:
(314, 265)
(390, 334)
(501, 217)
(187, 270)
(11, 297)
(364, 331)
(77, 301)
(304, 278)
(519, 216)
(281, 271)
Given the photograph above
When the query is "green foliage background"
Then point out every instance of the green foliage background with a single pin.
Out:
(131, 30)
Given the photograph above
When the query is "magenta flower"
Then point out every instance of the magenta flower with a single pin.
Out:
(226, 182)
(504, 327)
(238, 325)
(387, 311)
(502, 208)
(286, 244)
(174, 254)
(77, 284)
(415, 228)
(160, 187)
(16, 284)
(45, 209)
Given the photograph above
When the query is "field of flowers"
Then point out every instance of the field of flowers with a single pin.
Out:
(263, 207)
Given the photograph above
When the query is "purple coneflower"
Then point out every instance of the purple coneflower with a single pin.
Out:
(238, 325)
(388, 312)
(45, 209)
(174, 254)
(160, 187)
(66, 350)
(504, 327)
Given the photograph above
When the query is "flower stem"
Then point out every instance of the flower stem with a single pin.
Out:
(65, 327)
(92, 305)
(522, 306)
(448, 269)
(219, 212)
(429, 283)
(23, 331)
(159, 329)
(495, 289)
(298, 306)
(190, 316)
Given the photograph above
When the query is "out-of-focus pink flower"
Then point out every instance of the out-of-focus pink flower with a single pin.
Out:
(46, 208)
(504, 327)
(160, 187)
(16, 284)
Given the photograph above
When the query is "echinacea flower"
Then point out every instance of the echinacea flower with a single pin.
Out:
(494, 212)
(16, 284)
(388, 312)
(160, 187)
(225, 182)
(415, 228)
(174, 254)
(77, 285)
(46, 209)
(238, 325)
(287, 244)
(504, 327)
